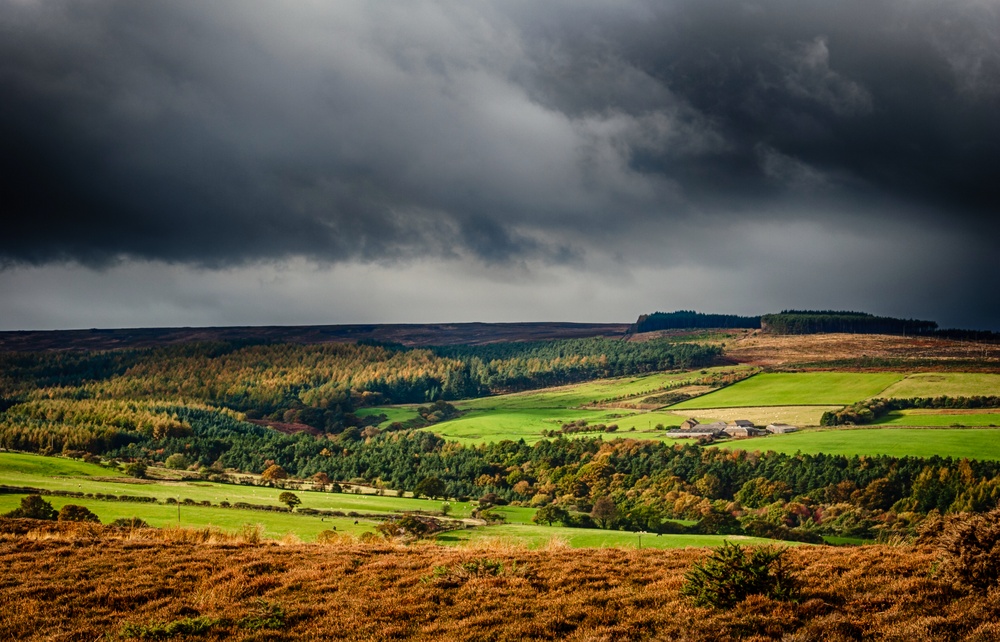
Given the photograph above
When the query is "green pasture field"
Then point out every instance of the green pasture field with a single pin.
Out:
(47, 467)
(971, 443)
(479, 426)
(795, 389)
(939, 418)
(57, 473)
(275, 525)
(307, 527)
(937, 384)
(538, 536)
(645, 421)
(525, 415)
(798, 398)
(401, 414)
(576, 395)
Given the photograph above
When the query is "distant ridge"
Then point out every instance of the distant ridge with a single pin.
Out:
(807, 322)
(408, 334)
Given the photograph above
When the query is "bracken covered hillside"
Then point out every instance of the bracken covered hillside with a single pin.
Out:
(862, 351)
(88, 584)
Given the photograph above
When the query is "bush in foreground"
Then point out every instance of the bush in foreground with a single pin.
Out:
(34, 507)
(732, 573)
(129, 523)
(970, 549)
(74, 513)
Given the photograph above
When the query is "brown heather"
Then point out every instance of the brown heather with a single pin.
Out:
(85, 582)
(930, 353)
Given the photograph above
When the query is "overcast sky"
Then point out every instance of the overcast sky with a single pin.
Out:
(185, 163)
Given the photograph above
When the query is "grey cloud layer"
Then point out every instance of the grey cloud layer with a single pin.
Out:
(226, 133)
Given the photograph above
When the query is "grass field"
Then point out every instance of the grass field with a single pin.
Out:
(393, 413)
(478, 426)
(57, 473)
(798, 398)
(37, 466)
(525, 415)
(535, 536)
(597, 391)
(952, 384)
(275, 525)
(795, 389)
(971, 443)
(940, 418)
(307, 527)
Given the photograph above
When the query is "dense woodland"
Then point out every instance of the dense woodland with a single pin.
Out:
(688, 319)
(807, 322)
(812, 322)
(102, 401)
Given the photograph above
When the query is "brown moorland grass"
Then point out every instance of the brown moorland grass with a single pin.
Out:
(774, 351)
(61, 583)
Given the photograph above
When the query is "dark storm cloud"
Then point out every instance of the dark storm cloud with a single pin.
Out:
(224, 133)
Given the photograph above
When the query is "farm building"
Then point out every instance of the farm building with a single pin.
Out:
(688, 424)
(781, 429)
(698, 430)
(743, 423)
(738, 430)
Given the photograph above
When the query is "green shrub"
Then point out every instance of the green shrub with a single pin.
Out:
(265, 616)
(407, 527)
(731, 573)
(129, 523)
(136, 469)
(34, 507)
(74, 513)
(177, 461)
(452, 576)
(158, 631)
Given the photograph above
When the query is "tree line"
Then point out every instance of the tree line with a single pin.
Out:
(688, 319)
(813, 322)
(871, 410)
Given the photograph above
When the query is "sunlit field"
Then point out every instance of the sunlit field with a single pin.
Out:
(57, 473)
(972, 443)
(938, 417)
(951, 384)
(537, 536)
(796, 389)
